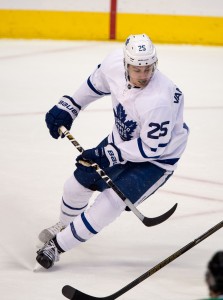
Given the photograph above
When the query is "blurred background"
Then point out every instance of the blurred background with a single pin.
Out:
(165, 21)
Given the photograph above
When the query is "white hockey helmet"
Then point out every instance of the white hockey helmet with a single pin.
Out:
(139, 51)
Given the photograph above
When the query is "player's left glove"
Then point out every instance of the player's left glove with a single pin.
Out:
(105, 157)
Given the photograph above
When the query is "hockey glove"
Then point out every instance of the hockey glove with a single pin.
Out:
(62, 114)
(105, 157)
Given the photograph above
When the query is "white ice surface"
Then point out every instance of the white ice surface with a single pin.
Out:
(33, 75)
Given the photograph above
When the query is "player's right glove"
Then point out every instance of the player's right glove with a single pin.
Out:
(62, 114)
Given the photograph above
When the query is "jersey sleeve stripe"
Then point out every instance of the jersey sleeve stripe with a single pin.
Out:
(73, 102)
(170, 161)
(94, 89)
(140, 146)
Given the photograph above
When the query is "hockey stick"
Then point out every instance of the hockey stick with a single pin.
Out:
(146, 221)
(74, 294)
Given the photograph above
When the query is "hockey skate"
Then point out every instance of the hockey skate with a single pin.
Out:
(49, 254)
(49, 233)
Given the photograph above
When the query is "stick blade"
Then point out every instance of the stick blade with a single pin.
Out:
(160, 219)
(74, 294)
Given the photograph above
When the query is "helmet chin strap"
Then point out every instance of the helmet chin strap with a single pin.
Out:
(128, 82)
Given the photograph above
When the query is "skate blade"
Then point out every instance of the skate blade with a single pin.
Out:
(37, 267)
(39, 245)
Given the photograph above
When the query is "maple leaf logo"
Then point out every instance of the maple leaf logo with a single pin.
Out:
(125, 127)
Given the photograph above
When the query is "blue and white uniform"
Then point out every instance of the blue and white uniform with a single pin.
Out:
(150, 132)
(149, 122)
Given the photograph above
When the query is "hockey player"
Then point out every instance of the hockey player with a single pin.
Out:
(141, 153)
(214, 276)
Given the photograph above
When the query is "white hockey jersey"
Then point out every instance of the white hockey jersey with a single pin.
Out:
(149, 122)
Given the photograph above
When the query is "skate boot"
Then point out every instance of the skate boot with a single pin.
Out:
(49, 254)
(49, 233)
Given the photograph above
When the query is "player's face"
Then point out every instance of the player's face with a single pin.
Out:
(140, 76)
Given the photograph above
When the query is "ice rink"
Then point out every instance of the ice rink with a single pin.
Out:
(33, 76)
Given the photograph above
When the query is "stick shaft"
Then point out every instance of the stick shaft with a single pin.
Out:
(167, 260)
(96, 167)
(74, 294)
(145, 220)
